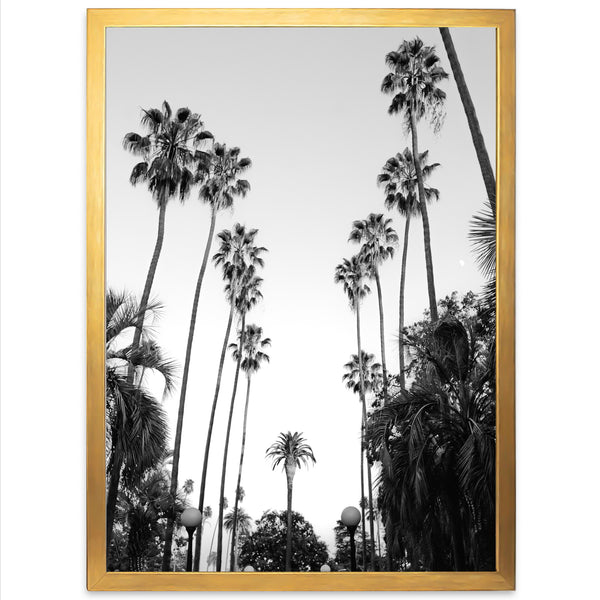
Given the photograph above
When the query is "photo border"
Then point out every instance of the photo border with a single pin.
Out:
(503, 578)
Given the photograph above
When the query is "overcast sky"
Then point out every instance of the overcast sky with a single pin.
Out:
(305, 106)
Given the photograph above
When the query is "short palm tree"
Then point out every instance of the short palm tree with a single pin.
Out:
(252, 356)
(378, 241)
(413, 80)
(352, 275)
(218, 172)
(239, 524)
(399, 179)
(248, 295)
(237, 255)
(137, 429)
(293, 452)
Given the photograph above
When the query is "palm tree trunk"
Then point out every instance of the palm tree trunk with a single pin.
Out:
(482, 155)
(401, 302)
(198, 546)
(425, 218)
(288, 538)
(137, 335)
(239, 479)
(364, 421)
(184, 380)
(111, 497)
(382, 337)
(362, 497)
(226, 450)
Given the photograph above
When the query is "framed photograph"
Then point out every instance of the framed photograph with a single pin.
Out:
(300, 288)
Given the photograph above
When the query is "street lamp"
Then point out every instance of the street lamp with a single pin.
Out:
(351, 519)
(190, 519)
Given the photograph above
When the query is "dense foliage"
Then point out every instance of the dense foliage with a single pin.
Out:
(265, 548)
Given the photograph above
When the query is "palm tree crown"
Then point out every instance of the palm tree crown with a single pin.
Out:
(290, 449)
(372, 374)
(399, 180)
(352, 274)
(252, 349)
(218, 172)
(414, 78)
(377, 237)
(168, 149)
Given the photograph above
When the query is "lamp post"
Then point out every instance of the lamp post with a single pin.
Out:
(190, 519)
(351, 518)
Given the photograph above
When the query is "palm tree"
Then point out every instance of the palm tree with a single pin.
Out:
(352, 274)
(168, 153)
(252, 356)
(237, 523)
(372, 376)
(482, 155)
(219, 173)
(399, 178)
(415, 74)
(237, 255)
(378, 241)
(293, 451)
(137, 428)
(249, 295)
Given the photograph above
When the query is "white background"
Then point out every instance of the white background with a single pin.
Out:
(43, 297)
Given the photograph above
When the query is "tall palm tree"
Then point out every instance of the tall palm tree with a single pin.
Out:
(482, 155)
(353, 275)
(378, 241)
(293, 451)
(239, 524)
(137, 428)
(399, 178)
(252, 356)
(414, 78)
(168, 150)
(249, 295)
(237, 255)
(218, 172)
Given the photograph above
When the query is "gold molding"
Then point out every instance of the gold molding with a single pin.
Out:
(504, 22)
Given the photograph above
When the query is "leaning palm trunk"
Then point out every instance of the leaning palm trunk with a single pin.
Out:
(198, 546)
(401, 302)
(226, 450)
(425, 218)
(364, 422)
(113, 485)
(290, 471)
(482, 155)
(233, 557)
(186, 371)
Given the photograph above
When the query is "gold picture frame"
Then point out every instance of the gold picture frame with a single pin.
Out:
(503, 578)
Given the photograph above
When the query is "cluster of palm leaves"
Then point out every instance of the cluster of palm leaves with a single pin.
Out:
(430, 430)
(178, 156)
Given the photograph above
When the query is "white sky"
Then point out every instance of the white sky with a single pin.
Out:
(305, 106)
